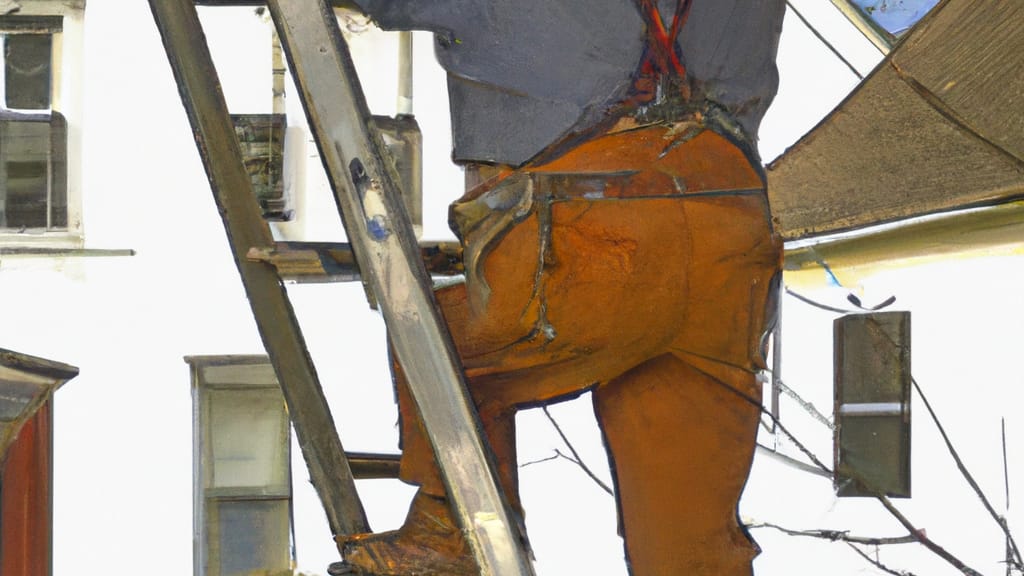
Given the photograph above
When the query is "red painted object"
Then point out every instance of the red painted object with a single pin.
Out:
(26, 500)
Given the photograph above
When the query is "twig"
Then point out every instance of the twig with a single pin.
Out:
(540, 460)
(919, 535)
(843, 536)
(807, 300)
(808, 407)
(838, 535)
(1006, 467)
(1000, 520)
(1006, 486)
(575, 455)
(878, 564)
(778, 423)
(825, 41)
(558, 454)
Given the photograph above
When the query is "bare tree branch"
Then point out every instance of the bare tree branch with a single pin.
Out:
(1006, 486)
(808, 407)
(558, 454)
(575, 459)
(914, 534)
(882, 498)
(1000, 520)
(778, 424)
(878, 564)
(807, 300)
(918, 534)
(838, 535)
(843, 536)
(540, 460)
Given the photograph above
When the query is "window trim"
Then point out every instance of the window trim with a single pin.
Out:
(205, 497)
(66, 98)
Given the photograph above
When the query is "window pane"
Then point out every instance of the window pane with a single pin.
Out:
(24, 173)
(251, 537)
(249, 432)
(15, 397)
(872, 404)
(27, 71)
(261, 137)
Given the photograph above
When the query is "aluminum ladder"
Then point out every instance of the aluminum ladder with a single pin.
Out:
(389, 262)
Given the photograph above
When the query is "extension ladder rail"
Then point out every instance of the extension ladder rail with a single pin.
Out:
(389, 261)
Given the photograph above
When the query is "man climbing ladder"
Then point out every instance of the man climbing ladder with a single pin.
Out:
(617, 239)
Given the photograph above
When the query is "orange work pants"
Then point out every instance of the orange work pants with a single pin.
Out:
(641, 268)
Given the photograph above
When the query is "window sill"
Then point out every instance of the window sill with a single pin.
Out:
(38, 239)
(53, 245)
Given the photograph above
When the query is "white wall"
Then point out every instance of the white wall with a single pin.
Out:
(967, 316)
(123, 438)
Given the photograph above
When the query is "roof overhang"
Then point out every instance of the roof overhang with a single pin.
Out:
(938, 126)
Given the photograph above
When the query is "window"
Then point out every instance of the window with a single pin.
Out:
(261, 138)
(872, 404)
(33, 136)
(242, 473)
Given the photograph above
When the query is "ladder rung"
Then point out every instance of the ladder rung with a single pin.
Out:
(335, 261)
(366, 466)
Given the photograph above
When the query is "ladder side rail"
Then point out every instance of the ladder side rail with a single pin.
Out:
(384, 244)
(203, 100)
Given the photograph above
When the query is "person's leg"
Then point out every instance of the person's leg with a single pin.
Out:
(607, 308)
(430, 541)
(681, 437)
(576, 297)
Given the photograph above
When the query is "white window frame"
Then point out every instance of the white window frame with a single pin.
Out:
(239, 377)
(66, 97)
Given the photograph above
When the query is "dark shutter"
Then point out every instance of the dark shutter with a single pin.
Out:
(872, 404)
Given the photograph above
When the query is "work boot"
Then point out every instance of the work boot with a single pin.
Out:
(430, 543)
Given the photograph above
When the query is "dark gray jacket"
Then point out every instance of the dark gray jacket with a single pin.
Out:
(523, 74)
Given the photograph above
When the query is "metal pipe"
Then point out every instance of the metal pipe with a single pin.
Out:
(278, 70)
(404, 105)
(791, 462)
(776, 407)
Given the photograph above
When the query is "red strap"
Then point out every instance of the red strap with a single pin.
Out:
(661, 58)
